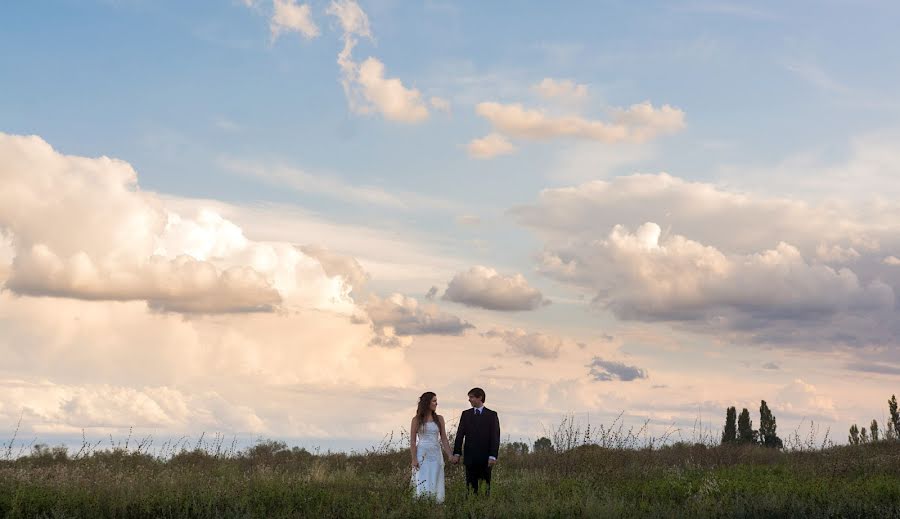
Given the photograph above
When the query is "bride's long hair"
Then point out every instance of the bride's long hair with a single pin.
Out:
(424, 409)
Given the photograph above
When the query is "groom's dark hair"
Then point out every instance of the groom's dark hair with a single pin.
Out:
(477, 391)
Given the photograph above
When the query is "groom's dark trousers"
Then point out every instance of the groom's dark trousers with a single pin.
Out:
(477, 439)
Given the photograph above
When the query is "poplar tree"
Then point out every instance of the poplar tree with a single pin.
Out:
(874, 430)
(853, 439)
(767, 427)
(895, 416)
(729, 434)
(746, 434)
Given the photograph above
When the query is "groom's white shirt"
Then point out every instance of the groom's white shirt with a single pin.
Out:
(479, 410)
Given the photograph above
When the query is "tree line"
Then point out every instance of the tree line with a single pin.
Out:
(739, 429)
(891, 430)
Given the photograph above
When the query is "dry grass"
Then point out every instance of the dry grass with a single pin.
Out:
(610, 471)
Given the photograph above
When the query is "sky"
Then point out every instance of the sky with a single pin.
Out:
(286, 219)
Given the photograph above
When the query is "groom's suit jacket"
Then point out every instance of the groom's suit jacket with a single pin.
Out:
(481, 435)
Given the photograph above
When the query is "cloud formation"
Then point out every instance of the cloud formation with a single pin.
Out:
(112, 241)
(584, 210)
(367, 88)
(397, 317)
(608, 370)
(529, 344)
(490, 146)
(484, 287)
(638, 123)
(638, 275)
(564, 89)
(288, 16)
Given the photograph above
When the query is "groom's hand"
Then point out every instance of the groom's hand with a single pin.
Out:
(455, 459)
(491, 462)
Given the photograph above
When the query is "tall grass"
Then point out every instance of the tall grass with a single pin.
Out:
(592, 471)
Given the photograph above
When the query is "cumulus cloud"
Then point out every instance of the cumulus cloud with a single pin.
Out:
(836, 253)
(530, 344)
(484, 287)
(397, 317)
(583, 210)
(565, 89)
(891, 260)
(338, 265)
(367, 88)
(641, 275)
(388, 95)
(112, 241)
(179, 285)
(608, 370)
(638, 123)
(490, 146)
(813, 275)
(288, 16)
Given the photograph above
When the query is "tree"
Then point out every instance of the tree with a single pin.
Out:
(767, 428)
(543, 444)
(729, 434)
(746, 434)
(895, 416)
(853, 439)
(516, 448)
(874, 429)
(863, 436)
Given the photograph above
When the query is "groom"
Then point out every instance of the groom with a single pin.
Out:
(479, 427)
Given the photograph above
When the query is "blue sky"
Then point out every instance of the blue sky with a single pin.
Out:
(744, 214)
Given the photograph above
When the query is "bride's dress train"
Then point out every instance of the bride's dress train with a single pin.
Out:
(429, 478)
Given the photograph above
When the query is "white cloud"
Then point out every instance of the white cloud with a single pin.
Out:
(288, 16)
(113, 241)
(706, 263)
(533, 344)
(641, 276)
(484, 287)
(352, 18)
(490, 146)
(334, 264)
(891, 260)
(564, 89)
(836, 253)
(590, 208)
(398, 259)
(365, 85)
(638, 123)
(388, 95)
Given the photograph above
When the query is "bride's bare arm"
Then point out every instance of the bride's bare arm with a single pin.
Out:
(445, 443)
(413, 427)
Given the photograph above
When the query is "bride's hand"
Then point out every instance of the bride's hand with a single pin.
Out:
(415, 464)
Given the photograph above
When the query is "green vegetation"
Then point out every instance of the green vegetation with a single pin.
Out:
(574, 473)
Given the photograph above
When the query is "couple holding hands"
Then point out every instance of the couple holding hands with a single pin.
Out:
(477, 440)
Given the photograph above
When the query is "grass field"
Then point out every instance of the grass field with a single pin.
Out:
(585, 478)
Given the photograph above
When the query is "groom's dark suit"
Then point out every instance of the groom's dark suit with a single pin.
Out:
(481, 433)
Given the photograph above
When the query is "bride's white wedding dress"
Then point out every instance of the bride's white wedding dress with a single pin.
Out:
(429, 478)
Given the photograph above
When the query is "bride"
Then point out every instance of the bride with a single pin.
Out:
(427, 438)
